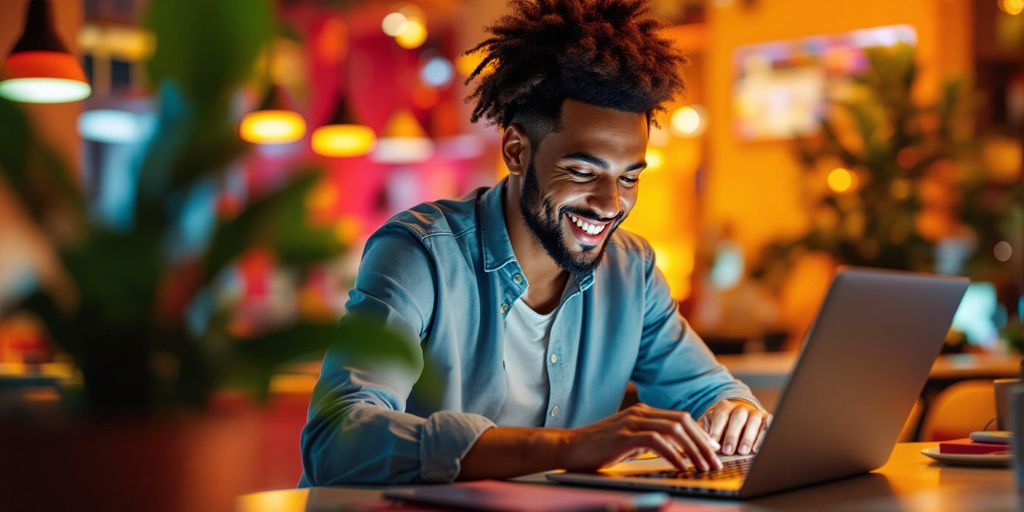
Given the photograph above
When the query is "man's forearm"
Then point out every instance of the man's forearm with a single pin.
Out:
(507, 452)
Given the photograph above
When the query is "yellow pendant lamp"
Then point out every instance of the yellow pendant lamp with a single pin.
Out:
(342, 136)
(403, 141)
(274, 122)
(40, 69)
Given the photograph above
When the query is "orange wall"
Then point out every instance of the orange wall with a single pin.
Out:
(755, 185)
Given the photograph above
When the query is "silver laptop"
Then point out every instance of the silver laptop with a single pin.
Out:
(864, 361)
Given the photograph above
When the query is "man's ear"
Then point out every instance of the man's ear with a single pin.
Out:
(515, 149)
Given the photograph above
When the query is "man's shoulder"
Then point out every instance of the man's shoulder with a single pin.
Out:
(627, 254)
(627, 243)
(445, 217)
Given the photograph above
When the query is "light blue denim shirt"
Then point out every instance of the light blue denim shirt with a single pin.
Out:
(444, 272)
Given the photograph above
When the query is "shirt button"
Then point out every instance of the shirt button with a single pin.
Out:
(518, 278)
(554, 411)
(504, 308)
(553, 358)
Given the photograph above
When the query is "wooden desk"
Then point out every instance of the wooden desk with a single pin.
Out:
(772, 369)
(908, 482)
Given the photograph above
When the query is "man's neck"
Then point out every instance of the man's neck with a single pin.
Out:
(547, 279)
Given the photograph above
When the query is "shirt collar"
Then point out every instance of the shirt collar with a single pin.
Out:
(497, 248)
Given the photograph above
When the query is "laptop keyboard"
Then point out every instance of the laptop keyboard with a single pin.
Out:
(732, 469)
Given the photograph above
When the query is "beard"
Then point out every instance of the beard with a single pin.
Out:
(546, 226)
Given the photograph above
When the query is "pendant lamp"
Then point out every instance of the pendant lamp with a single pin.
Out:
(342, 136)
(274, 122)
(403, 141)
(40, 69)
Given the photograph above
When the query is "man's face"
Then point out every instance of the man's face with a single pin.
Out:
(581, 182)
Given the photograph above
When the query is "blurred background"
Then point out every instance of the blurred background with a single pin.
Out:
(812, 134)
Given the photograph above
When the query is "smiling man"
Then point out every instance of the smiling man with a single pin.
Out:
(525, 298)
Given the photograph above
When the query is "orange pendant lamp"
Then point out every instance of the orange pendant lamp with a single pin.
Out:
(342, 136)
(403, 141)
(274, 122)
(40, 69)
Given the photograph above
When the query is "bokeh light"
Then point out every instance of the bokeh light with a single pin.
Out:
(408, 25)
(1003, 251)
(686, 121)
(1012, 7)
(467, 62)
(413, 35)
(393, 23)
(841, 180)
(110, 126)
(655, 158)
(272, 127)
(437, 72)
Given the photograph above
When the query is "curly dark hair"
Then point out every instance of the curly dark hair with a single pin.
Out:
(603, 52)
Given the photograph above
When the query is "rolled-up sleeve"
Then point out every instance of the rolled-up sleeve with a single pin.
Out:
(358, 431)
(675, 369)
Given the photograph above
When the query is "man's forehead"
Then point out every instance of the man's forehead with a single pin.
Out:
(580, 116)
(587, 128)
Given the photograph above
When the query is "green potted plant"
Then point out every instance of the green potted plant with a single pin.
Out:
(139, 430)
(891, 182)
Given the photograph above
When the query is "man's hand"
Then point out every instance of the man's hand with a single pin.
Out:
(672, 434)
(506, 452)
(738, 426)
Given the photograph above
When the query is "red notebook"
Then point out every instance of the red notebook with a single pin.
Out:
(966, 446)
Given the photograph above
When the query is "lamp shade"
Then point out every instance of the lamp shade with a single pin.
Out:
(342, 136)
(403, 140)
(39, 68)
(274, 122)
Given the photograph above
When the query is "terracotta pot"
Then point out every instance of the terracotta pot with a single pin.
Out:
(168, 463)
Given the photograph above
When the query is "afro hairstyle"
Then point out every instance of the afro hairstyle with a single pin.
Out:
(602, 52)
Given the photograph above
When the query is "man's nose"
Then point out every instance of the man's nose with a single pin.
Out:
(606, 200)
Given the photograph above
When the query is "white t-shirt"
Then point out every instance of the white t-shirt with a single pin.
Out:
(526, 374)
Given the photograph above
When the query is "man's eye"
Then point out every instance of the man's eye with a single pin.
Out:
(630, 181)
(578, 173)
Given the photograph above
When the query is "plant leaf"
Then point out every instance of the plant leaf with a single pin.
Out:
(276, 221)
(360, 339)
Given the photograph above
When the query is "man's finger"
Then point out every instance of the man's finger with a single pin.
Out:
(678, 417)
(746, 442)
(694, 447)
(719, 419)
(763, 433)
(703, 442)
(737, 421)
(652, 440)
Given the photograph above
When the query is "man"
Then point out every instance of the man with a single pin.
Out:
(525, 298)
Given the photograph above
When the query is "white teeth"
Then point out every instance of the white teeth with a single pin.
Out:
(590, 229)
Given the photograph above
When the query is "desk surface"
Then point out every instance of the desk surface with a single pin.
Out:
(772, 369)
(908, 482)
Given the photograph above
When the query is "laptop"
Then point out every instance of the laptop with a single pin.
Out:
(864, 362)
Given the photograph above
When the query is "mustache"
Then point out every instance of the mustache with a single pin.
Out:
(591, 214)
